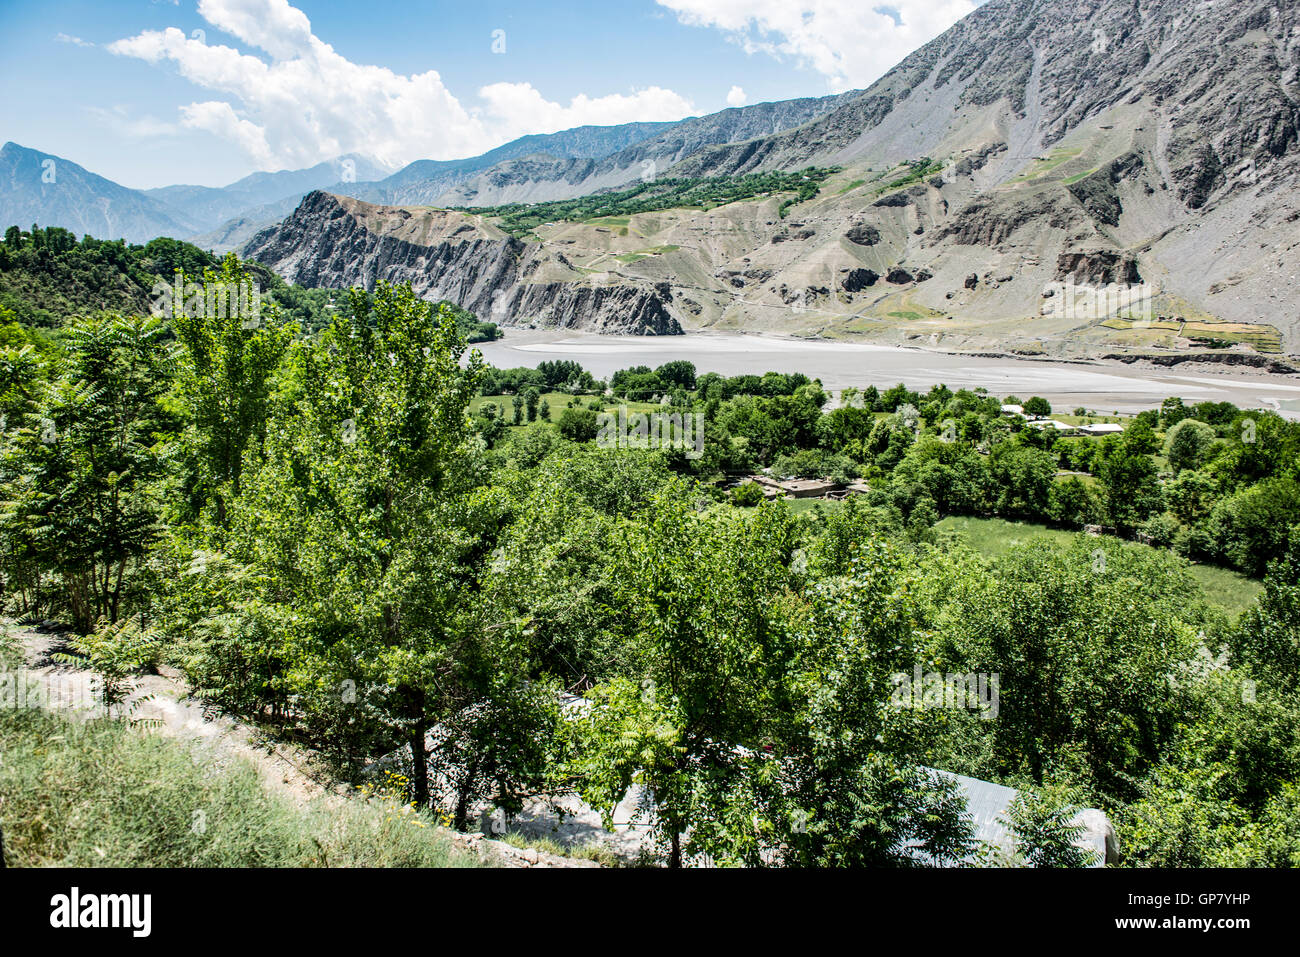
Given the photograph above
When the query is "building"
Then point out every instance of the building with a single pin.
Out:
(1102, 428)
(1062, 427)
(809, 488)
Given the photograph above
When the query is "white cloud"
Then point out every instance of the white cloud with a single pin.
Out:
(75, 41)
(120, 120)
(736, 96)
(303, 102)
(512, 102)
(847, 41)
(219, 119)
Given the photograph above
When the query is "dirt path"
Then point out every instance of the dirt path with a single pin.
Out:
(165, 700)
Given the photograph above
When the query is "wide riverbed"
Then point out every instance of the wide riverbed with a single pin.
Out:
(1100, 386)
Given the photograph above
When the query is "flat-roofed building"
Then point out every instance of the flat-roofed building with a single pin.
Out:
(1102, 428)
(808, 488)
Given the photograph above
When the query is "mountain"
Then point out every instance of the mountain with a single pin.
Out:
(540, 177)
(421, 181)
(544, 166)
(52, 191)
(1036, 143)
(211, 205)
(336, 242)
(224, 218)
(428, 179)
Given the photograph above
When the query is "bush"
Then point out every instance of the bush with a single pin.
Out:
(1189, 444)
(747, 495)
(1038, 407)
(577, 425)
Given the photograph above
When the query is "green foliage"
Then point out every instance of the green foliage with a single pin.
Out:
(577, 425)
(747, 494)
(1045, 830)
(1038, 407)
(336, 539)
(224, 384)
(102, 794)
(1188, 444)
(1084, 641)
(82, 461)
(520, 219)
(115, 652)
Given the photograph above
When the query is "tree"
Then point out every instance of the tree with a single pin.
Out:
(1132, 487)
(89, 455)
(1251, 526)
(699, 592)
(1188, 444)
(1084, 641)
(577, 425)
(1023, 477)
(359, 527)
(1046, 831)
(224, 383)
(1172, 411)
(678, 372)
(766, 734)
(1268, 640)
(1038, 407)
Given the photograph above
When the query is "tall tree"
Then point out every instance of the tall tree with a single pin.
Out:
(359, 521)
(88, 457)
(229, 356)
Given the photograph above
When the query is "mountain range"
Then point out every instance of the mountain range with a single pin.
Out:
(1149, 143)
(1036, 143)
(577, 160)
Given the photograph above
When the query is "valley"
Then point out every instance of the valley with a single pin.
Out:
(1107, 386)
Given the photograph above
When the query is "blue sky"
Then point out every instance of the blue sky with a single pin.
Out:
(153, 92)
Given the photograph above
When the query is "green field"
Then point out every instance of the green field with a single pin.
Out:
(1230, 590)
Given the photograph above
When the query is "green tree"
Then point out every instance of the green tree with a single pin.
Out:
(362, 525)
(224, 382)
(1038, 407)
(1132, 487)
(87, 459)
(1188, 444)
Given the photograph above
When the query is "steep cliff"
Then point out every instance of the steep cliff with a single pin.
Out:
(335, 242)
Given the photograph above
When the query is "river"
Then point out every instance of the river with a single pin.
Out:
(1099, 385)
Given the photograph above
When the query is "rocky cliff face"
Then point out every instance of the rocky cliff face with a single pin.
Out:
(336, 242)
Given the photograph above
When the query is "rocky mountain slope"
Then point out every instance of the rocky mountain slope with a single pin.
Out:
(335, 242)
(419, 182)
(541, 177)
(42, 188)
(1160, 133)
(1146, 143)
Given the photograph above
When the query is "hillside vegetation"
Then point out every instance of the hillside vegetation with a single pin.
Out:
(368, 543)
(520, 219)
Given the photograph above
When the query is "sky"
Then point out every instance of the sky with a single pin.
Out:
(156, 92)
